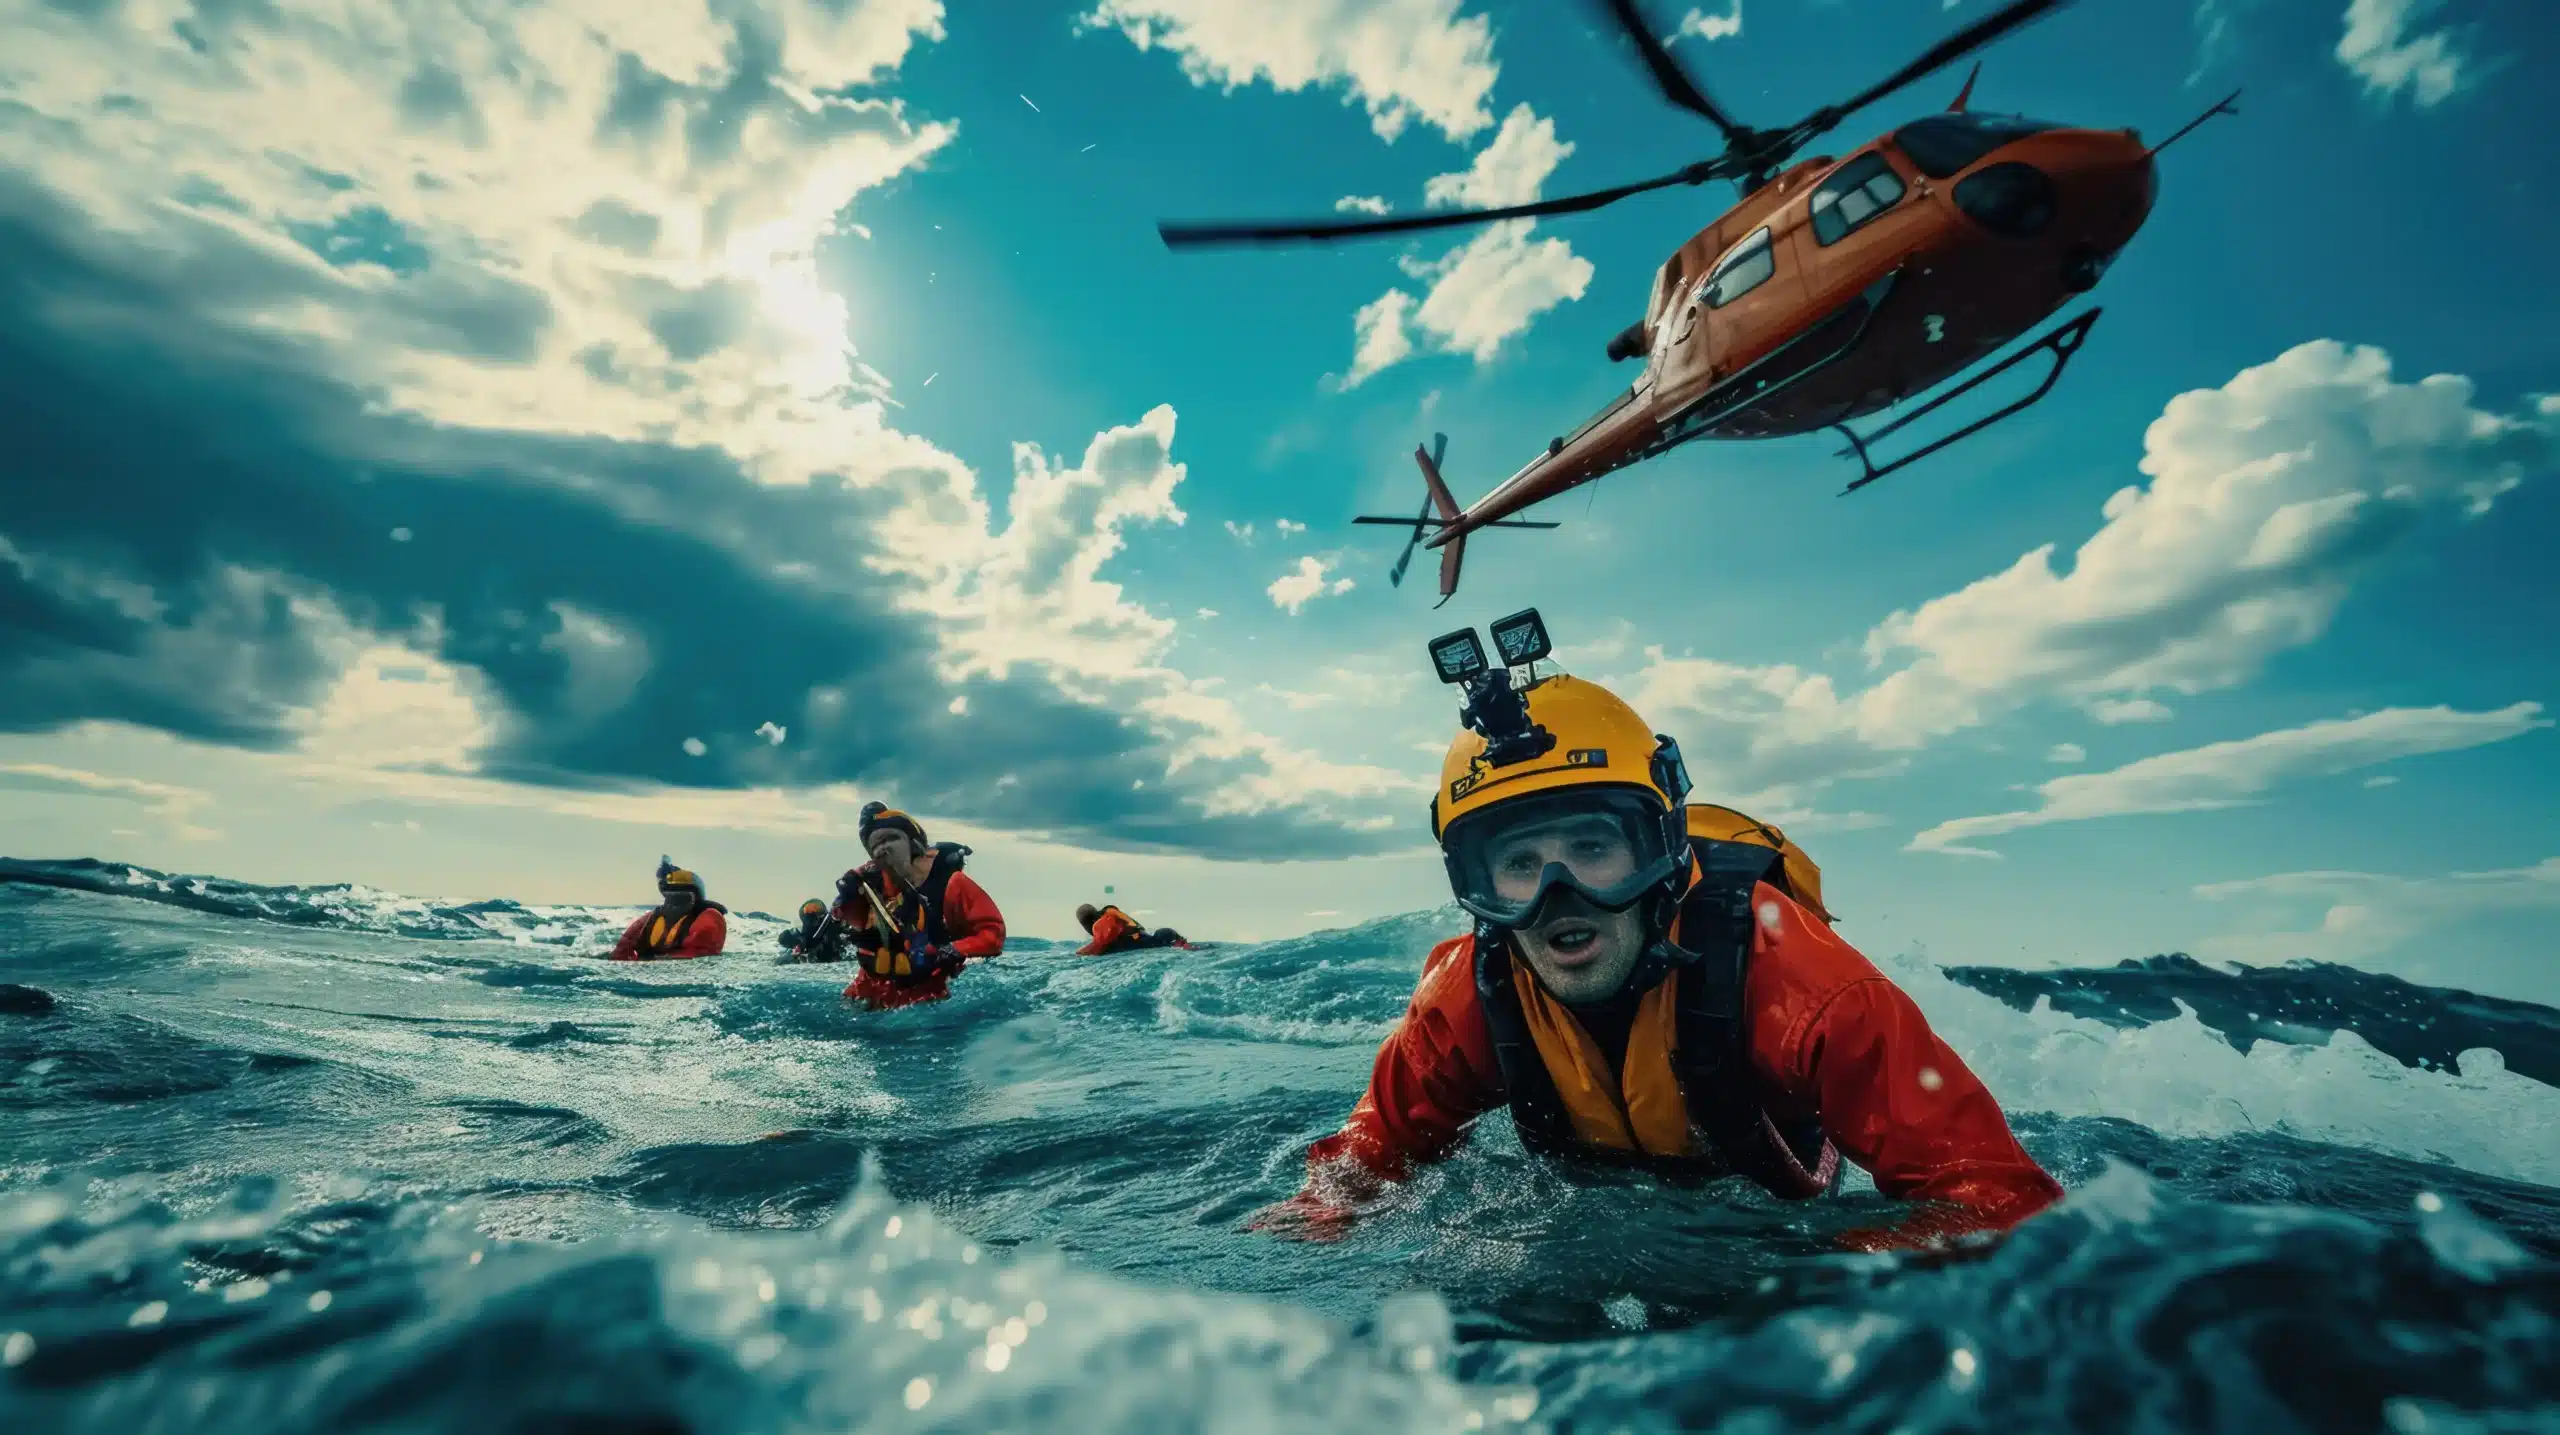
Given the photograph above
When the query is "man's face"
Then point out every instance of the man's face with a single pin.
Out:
(676, 899)
(892, 849)
(1580, 953)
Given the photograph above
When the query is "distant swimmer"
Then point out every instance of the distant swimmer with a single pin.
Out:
(818, 938)
(915, 918)
(1651, 983)
(1113, 930)
(682, 925)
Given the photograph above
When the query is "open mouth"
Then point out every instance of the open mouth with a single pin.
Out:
(1571, 941)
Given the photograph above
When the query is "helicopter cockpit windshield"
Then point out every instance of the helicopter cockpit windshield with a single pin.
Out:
(1942, 144)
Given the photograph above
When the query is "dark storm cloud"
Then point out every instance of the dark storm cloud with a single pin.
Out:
(181, 491)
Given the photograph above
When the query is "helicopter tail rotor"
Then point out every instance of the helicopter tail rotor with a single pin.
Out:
(1439, 511)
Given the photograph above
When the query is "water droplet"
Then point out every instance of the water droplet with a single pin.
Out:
(764, 1290)
(968, 1255)
(999, 1356)
(475, 1258)
(148, 1313)
(1930, 1080)
(2430, 1202)
(896, 1223)
(1962, 1362)
(1033, 1312)
(249, 1289)
(400, 535)
(1771, 916)
(1014, 1331)
(319, 1301)
(18, 1349)
(919, 1390)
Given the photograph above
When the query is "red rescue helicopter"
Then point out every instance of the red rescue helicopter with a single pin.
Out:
(1834, 289)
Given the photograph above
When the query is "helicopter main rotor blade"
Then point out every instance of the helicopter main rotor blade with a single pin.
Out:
(1178, 236)
(1946, 52)
(1675, 82)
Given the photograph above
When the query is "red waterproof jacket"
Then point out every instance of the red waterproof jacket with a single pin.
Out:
(970, 926)
(1830, 1038)
(701, 932)
(1112, 930)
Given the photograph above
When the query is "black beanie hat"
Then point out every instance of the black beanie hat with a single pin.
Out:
(876, 815)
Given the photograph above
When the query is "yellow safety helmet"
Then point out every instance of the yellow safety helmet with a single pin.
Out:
(679, 877)
(1598, 739)
(1580, 751)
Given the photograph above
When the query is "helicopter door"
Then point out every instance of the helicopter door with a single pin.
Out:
(1747, 301)
(1860, 223)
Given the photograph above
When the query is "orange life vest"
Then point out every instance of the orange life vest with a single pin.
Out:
(1684, 1102)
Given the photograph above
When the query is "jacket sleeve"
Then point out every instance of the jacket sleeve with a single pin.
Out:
(1893, 1096)
(705, 938)
(1433, 1077)
(970, 918)
(628, 949)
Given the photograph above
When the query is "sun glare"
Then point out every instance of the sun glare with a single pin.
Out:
(810, 322)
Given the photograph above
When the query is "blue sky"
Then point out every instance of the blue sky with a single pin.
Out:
(472, 450)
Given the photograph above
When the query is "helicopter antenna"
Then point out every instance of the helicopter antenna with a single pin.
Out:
(1751, 157)
(2221, 107)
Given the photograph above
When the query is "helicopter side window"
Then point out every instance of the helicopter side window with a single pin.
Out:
(1855, 193)
(1745, 267)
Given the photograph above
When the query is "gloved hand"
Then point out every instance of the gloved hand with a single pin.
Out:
(927, 959)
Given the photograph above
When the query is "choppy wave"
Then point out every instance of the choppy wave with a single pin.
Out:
(345, 906)
(368, 1169)
(2300, 1002)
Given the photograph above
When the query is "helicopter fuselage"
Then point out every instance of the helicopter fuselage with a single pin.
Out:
(1842, 287)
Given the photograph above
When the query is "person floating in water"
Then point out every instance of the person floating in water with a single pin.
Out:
(1113, 930)
(1651, 984)
(914, 916)
(682, 925)
(818, 938)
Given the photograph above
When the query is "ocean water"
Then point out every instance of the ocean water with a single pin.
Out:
(331, 1159)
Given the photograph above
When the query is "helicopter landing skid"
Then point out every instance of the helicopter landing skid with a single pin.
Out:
(2059, 343)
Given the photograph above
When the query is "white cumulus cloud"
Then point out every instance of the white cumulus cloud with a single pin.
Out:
(2268, 498)
(1294, 589)
(1360, 204)
(2359, 917)
(2227, 774)
(2384, 47)
(1489, 290)
(2067, 752)
(1401, 60)
(171, 803)
(1701, 25)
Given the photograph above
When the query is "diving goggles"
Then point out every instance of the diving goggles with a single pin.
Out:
(1609, 845)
